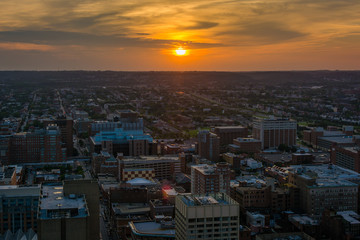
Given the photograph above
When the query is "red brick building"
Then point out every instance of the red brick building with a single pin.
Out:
(210, 178)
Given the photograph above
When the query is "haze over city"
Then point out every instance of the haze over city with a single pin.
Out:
(143, 35)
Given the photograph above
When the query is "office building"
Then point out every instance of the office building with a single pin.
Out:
(325, 186)
(163, 229)
(42, 145)
(274, 131)
(247, 145)
(165, 167)
(346, 157)
(211, 216)
(104, 163)
(228, 133)
(63, 217)
(259, 194)
(18, 207)
(161, 207)
(128, 142)
(208, 145)
(65, 125)
(210, 178)
(90, 189)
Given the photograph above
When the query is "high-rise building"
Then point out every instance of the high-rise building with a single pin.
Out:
(90, 189)
(275, 131)
(210, 178)
(211, 216)
(63, 217)
(5, 148)
(228, 133)
(42, 145)
(18, 207)
(208, 145)
(66, 129)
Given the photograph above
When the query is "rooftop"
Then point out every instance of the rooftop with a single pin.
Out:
(140, 181)
(350, 216)
(128, 209)
(53, 203)
(209, 199)
(338, 139)
(147, 159)
(303, 219)
(20, 190)
(326, 174)
(152, 229)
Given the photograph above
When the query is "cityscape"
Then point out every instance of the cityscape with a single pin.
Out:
(162, 155)
(180, 120)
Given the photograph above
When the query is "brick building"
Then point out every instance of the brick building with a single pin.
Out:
(210, 178)
(275, 131)
(228, 133)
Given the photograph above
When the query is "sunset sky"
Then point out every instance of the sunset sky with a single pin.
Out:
(239, 35)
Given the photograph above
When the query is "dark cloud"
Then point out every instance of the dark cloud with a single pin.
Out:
(200, 25)
(264, 33)
(87, 39)
(75, 22)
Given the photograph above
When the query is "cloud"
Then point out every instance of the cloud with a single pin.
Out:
(200, 25)
(87, 39)
(267, 32)
(24, 46)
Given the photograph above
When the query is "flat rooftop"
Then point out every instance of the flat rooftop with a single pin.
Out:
(205, 169)
(130, 208)
(205, 200)
(152, 229)
(150, 159)
(18, 190)
(338, 139)
(53, 203)
(350, 216)
(287, 157)
(303, 219)
(353, 149)
(326, 175)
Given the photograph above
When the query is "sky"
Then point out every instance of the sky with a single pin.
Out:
(141, 35)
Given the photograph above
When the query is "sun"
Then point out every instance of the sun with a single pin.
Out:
(180, 51)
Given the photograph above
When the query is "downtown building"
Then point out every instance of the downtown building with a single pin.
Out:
(65, 125)
(163, 167)
(346, 157)
(211, 216)
(42, 145)
(18, 208)
(123, 141)
(210, 178)
(62, 217)
(208, 145)
(275, 131)
(325, 186)
(228, 133)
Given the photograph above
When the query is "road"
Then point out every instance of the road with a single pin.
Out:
(103, 230)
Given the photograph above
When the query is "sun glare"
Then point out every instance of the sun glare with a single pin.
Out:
(180, 51)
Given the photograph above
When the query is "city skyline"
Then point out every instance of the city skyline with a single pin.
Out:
(143, 35)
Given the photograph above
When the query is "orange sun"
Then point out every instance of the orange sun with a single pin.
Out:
(180, 51)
